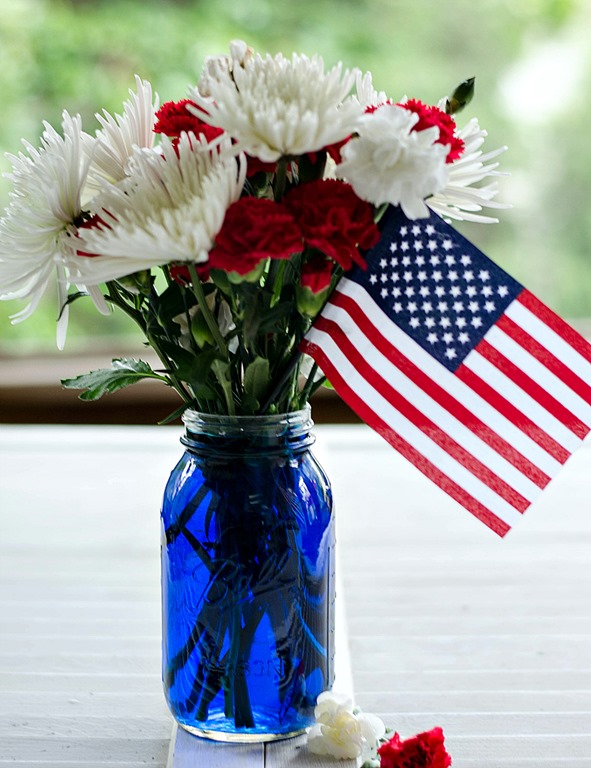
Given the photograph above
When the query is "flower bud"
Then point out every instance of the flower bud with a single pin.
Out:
(249, 277)
(461, 97)
(309, 303)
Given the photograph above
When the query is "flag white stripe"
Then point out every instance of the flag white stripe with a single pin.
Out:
(442, 418)
(462, 392)
(526, 404)
(411, 434)
(537, 371)
(548, 338)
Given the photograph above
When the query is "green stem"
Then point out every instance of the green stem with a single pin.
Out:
(117, 299)
(280, 179)
(207, 313)
(307, 388)
(225, 384)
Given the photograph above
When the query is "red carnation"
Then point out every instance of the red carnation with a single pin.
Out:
(254, 229)
(426, 750)
(334, 220)
(371, 108)
(173, 118)
(430, 117)
(317, 273)
(314, 284)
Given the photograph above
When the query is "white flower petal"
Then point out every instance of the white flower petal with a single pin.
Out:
(276, 107)
(460, 199)
(367, 96)
(389, 162)
(170, 208)
(36, 230)
(114, 144)
(341, 731)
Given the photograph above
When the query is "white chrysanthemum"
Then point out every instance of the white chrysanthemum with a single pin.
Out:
(114, 144)
(36, 233)
(389, 162)
(367, 95)
(460, 199)
(342, 732)
(170, 208)
(240, 53)
(276, 107)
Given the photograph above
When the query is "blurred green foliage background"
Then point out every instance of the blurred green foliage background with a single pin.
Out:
(531, 60)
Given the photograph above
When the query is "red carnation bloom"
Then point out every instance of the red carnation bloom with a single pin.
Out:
(334, 220)
(173, 118)
(371, 108)
(317, 273)
(430, 117)
(254, 229)
(426, 750)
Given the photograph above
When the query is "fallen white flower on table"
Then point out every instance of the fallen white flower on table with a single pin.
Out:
(341, 731)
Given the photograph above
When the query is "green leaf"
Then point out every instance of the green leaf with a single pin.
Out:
(256, 378)
(175, 414)
(123, 372)
(172, 302)
(196, 370)
(274, 319)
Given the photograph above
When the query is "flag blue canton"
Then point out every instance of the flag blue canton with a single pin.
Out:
(435, 285)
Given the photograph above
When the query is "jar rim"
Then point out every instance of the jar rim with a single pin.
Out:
(268, 428)
(192, 417)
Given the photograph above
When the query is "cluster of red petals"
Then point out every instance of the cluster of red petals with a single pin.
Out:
(426, 750)
(254, 229)
(333, 220)
(91, 223)
(254, 165)
(433, 117)
(371, 108)
(317, 273)
(173, 118)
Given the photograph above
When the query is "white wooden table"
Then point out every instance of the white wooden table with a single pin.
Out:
(448, 625)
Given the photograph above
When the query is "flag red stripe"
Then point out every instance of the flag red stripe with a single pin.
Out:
(381, 427)
(439, 394)
(552, 363)
(419, 419)
(513, 414)
(532, 388)
(556, 323)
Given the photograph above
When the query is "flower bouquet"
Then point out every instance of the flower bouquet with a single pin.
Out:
(223, 239)
(221, 225)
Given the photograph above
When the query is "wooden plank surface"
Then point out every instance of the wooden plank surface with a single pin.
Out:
(448, 625)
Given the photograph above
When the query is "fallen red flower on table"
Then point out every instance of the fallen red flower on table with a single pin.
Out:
(425, 750)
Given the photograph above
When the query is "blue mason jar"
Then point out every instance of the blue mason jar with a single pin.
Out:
(247, 578)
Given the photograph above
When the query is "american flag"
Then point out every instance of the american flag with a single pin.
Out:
(457, 366)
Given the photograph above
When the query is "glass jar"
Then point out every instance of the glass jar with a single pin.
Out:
(247, 578)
